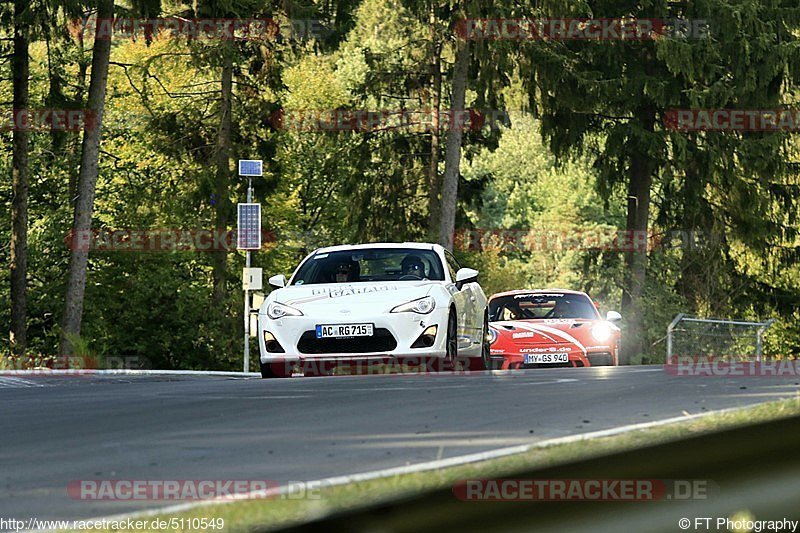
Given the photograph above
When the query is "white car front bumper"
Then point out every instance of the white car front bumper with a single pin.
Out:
(394, 333)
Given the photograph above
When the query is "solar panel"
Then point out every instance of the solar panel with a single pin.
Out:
(248, 236)
(250, 167)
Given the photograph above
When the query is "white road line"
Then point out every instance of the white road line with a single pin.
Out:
(133, 372)
(126, 372)
(17, 383)
(421, 467)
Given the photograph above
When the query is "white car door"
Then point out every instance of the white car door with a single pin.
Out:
(476, 302)
(479, 302)
(464, 305)
(475, 316)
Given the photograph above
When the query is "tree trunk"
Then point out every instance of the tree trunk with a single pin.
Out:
(692, 206)
(452, 157)
(79, 93)
(55, 100)
(19, 185)
(223, 176)
(698, 282)
(434, 181)
(641, 178)
(87, 180)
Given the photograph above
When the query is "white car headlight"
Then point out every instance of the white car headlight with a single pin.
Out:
(277, 310)
(601, 332)
(423, 306)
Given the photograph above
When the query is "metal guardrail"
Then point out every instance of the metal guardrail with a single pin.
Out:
(756, 468)
(681, 317)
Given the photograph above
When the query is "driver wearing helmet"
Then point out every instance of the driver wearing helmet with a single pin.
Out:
(412, 265)
(561, 309)
(344, 272)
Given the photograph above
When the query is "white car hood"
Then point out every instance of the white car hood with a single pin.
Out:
(334, 295)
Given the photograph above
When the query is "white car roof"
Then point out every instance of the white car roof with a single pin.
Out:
(412, 245)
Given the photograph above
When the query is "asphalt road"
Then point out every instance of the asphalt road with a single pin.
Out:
(56, 430)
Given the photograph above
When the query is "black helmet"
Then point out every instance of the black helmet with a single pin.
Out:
(347, 268)
(412, 264)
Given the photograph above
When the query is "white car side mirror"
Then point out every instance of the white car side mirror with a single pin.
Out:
(465, 275)
(276, 282)
(613, 316)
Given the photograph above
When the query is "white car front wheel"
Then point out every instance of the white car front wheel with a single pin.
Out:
(448, 362)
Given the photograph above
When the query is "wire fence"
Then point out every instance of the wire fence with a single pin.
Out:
(720, 339)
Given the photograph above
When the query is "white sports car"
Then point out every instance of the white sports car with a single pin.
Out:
(400, 302)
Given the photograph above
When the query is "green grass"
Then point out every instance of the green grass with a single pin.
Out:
(280, 511)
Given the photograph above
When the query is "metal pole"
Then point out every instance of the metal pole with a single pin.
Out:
(760, 337)
(758, 344)
(669, 336)
(247, 293)
(669, 345)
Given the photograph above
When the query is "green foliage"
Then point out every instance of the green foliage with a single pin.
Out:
(553, 211)
(497, 272)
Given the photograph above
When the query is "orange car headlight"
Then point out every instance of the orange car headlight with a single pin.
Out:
(602, 332)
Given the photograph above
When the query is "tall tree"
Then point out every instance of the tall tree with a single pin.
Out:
(226, 52)
(485, 68)
(604, 98)
(452, 157)
(640, 179)
(223, 171)
(610, 99)
(87, 181)
(715, 173)
(434, 179)
(20, 62)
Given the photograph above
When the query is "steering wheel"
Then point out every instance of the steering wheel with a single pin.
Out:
(408, 277)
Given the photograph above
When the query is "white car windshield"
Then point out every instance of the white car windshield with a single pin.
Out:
(372, 264)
